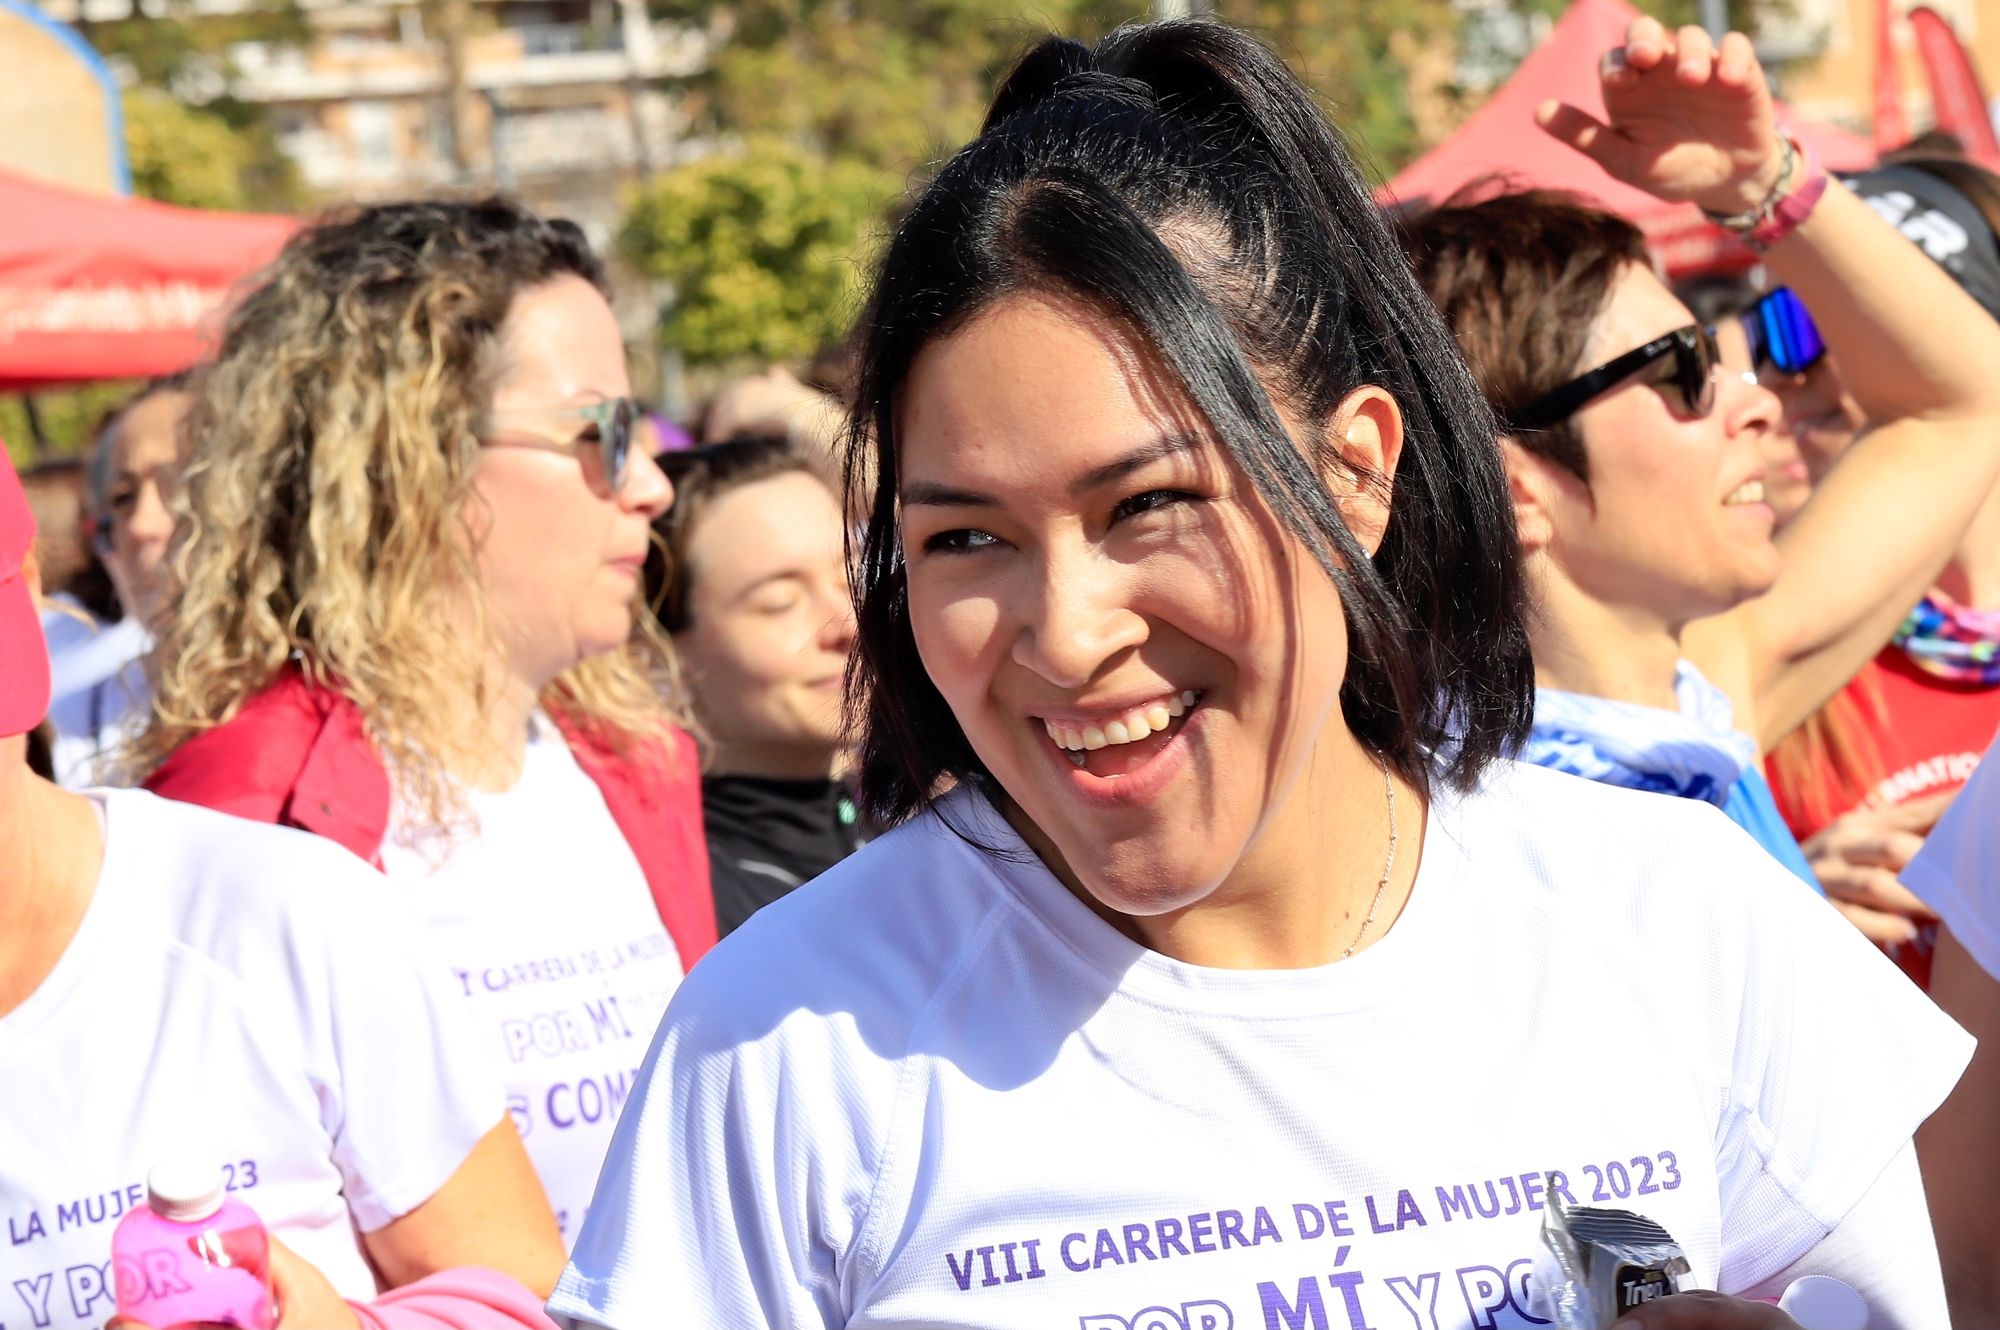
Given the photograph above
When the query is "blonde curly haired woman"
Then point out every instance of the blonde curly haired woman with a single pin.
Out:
(407, 590)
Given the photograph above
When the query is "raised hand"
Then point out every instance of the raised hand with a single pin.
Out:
(1687, 120)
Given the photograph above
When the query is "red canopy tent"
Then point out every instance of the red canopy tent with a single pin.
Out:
(1501, 143)
(97, 287)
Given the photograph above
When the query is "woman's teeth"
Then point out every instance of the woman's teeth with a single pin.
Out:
(1131, 727)
(1750, 491)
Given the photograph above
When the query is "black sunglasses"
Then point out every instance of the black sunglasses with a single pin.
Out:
(1691, 376)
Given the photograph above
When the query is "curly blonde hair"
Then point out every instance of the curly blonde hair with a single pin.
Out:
(320, 514)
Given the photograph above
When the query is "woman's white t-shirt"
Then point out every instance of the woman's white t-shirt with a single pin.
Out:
(238, 993)
(1957, 873)
(934, 1089)
(549, 938)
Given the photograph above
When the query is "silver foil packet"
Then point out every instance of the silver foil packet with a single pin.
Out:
(1600, 1264)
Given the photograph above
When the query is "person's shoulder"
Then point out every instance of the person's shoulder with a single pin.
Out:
(224, 877)
(876, 936)
(1538, 799)
(1600, 847)
(254, 764)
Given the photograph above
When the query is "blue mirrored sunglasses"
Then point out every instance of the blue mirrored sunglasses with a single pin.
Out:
(1782, 334)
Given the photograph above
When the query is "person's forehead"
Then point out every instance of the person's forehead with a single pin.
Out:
(787, 522)
(1033, 391)
(1638, 308)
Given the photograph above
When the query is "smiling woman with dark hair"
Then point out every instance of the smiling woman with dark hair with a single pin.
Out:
(1191, 649)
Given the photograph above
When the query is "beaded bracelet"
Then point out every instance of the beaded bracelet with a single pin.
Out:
(1780, 213)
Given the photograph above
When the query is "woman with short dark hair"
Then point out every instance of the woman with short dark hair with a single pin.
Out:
(1222, 970)
(1676, 639)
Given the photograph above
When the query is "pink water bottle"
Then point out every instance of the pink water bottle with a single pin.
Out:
(192, 1255)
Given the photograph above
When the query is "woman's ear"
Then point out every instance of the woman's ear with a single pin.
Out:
(1367, 432)
(1529, 485)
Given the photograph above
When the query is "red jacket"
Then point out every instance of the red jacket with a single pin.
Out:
(299, 756)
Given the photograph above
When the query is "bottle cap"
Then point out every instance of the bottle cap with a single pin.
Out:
(1820, 1302)
(184, 1190)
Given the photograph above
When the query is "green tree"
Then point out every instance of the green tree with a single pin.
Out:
(762, 248)
(1355, 54)
(832, 107)
(189, 141)
(181, 155)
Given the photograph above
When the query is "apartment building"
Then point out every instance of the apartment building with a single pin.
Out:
(564, 102)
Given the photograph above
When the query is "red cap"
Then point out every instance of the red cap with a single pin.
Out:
(24, 654)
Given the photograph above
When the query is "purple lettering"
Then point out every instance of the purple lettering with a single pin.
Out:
(1107, 1250)
(1559, 1187)
(1078, 1266)
(1374, 1220)
(1453, 1204)
(1513, 1196)
(1304, 1212)
(1035, 1270)
(1349, 1282)
(1014, 1275)
(986, 1258)
(1420, 1299)
(1262, 1226)
(1532, 1187)
(1307, 1313)
(1407, 1212)
(1207, 1316)
(1518, 1275)
(1199, 1229)
(1228, 1223)
(86, 1285)
(35, 1295)
(1485, 1292)
(962, 1274)
(1490, 1206)
(1170, 1237)
(1336, 1220)
(1138, 1242)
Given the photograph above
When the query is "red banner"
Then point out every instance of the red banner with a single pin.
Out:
(1959, 101)
(1892, 127)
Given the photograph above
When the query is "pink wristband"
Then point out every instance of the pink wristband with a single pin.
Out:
(1793, 209)
(1775, 218)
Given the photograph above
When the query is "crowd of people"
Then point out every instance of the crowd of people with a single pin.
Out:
(1255, 747)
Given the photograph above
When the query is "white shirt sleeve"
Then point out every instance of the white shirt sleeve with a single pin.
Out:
(1884, 1250)
(742, 1171)
(1834, 1057)
(1957, 873)
(406, 1089)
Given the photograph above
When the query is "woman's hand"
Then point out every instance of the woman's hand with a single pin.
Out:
(1688, 121)
(1857, 857)
(1701, 1310)
(306, 1298)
